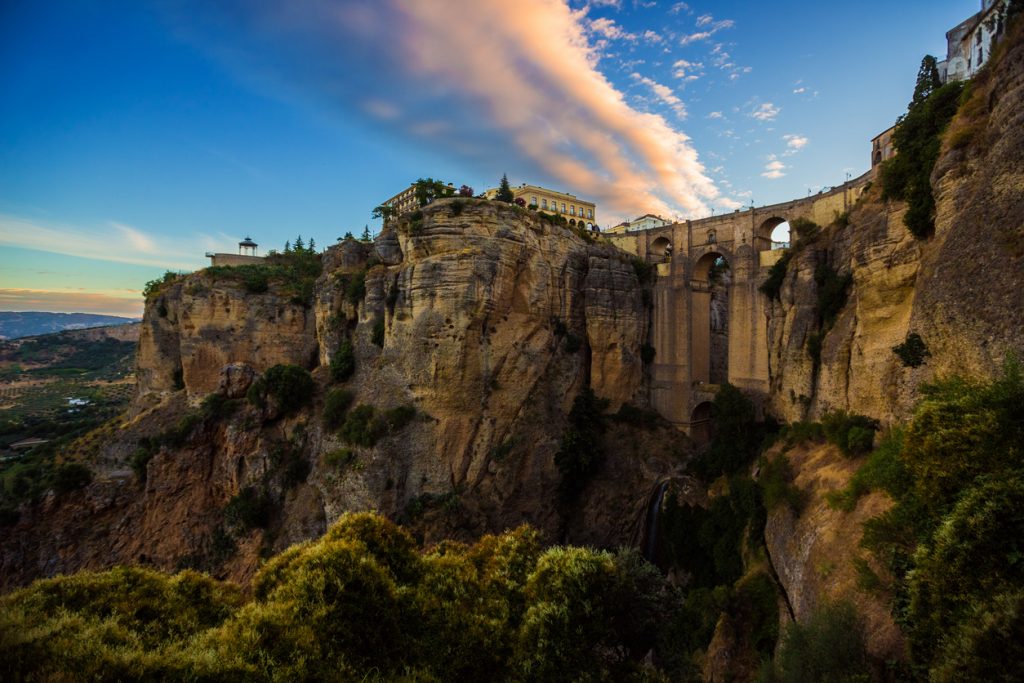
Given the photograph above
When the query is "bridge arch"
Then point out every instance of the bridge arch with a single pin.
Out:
(702, 423)
(661, 249)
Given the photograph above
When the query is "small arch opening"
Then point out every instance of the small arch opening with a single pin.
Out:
(702, 423)
(661, 248)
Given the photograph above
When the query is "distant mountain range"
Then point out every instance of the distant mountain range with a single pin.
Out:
(15, 324)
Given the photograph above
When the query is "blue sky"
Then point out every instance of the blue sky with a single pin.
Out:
(137, 136)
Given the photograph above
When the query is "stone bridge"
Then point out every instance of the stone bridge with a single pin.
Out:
(710, 324)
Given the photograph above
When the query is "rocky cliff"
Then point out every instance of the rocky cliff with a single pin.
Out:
(959, 290)
(484, 319)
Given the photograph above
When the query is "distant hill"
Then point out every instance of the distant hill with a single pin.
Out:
(15, 324)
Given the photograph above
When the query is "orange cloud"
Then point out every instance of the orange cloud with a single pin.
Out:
(57, 301)
(530, 66)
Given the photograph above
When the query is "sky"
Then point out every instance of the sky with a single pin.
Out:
(137, 136)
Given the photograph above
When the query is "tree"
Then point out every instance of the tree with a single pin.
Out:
(348, 236)
(287, 247)
(385, 212)
(465, 191)
(428, 190)
(312, 246)
(928, 81)
(299, 244)
(505, 191)
(366, 237)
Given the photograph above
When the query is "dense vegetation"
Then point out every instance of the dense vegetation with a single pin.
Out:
(907, 176)
(362, 603)
(293, 272)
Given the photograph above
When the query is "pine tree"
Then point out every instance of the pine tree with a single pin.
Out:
(312, 246)
(505, 191)
(928, 81)
(366, 234)
(287, 247)
(299, 244)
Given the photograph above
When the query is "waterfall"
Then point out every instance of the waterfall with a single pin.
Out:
(653, 517)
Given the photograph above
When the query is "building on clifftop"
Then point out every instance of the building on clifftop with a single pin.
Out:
(579, 212)
(246, 255)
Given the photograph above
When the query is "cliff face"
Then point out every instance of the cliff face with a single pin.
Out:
(960, 290)
(489, 321)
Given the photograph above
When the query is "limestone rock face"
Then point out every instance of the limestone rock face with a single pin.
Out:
(960, 290)
(235, 379)
(199, 325)
(483, 318)
(813, 551)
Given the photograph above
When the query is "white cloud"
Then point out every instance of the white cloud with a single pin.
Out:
(704, 19)
(774, 169)
(617, 4)
(663, 93)
(610, 30)
(694, 37)
(766, 112)
(795, 141)
(800, 90)
(715, 115)
(687, 71)
(652, 37)
(679, 7)
(115, 242)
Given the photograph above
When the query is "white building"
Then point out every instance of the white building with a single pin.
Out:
(969, 44)
(645, 222)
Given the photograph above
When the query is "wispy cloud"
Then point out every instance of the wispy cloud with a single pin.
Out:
(686, 70)
(518, 81)
(773, 169)
(709, 27)
(109, 242)
(609, 29)
(765, 112)
(795, 142)
(663, 93)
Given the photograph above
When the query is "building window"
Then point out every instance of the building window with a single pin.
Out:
(563, 207)
(533, 201)
(543, 203)
(712, 238)
(590, 213)
(572, 210)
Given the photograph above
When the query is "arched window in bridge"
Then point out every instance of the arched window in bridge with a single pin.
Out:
(712, 237)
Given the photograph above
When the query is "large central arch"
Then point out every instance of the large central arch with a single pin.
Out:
(709, 318)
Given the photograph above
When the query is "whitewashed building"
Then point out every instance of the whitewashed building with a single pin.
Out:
(969, 44)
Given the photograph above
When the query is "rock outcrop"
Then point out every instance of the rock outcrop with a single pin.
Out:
(960, 290)
(485, 319)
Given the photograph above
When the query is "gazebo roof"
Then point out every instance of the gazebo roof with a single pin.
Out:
(247, 242)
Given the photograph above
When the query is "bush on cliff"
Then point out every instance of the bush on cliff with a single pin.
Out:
(288, 386)
(580, 453)
(361, 603)
(343, 364)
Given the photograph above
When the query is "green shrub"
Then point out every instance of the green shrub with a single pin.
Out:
(71, 477)
(854, 434)
(983, 646)
(340, 457)
(802, 432)
(646, 273)
(456, 207)
(882, 471)
(355, 288)
(336, 407)
(343, 364)
(377, 335)
(580, 453)
(984, 530)
(772, 286)
(392, 420)
(776, 480)
(829, 648)
(255, 279)
(154, 287)
(737, 435)
(358, 426)
(912, 351)
(139, 461)
(290, 387)
(832, 290)
(249, 509)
